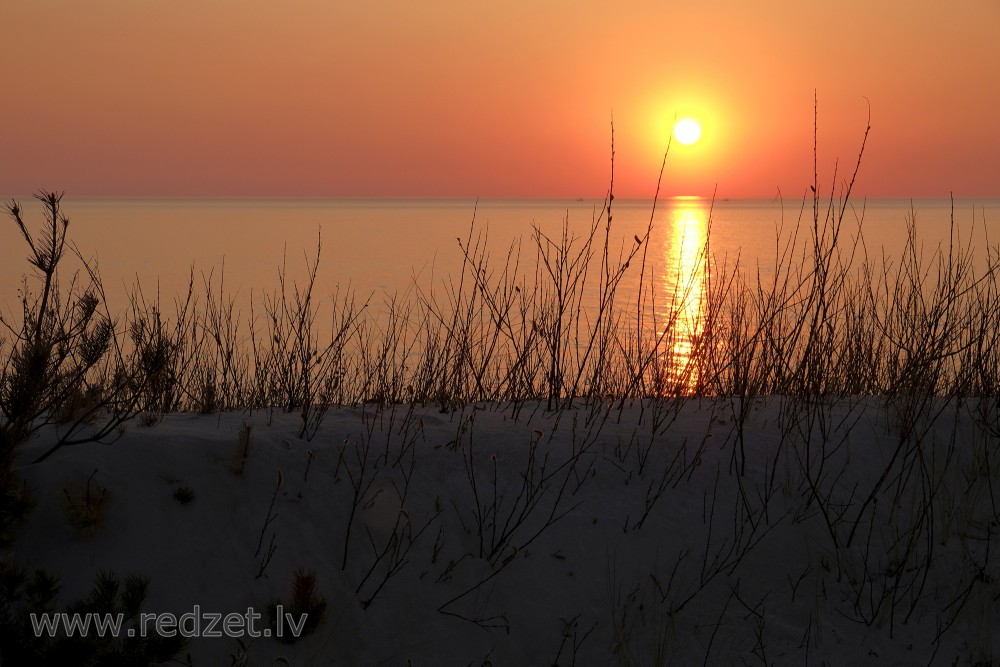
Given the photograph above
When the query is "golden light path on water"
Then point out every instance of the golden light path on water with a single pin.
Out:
(684, 282)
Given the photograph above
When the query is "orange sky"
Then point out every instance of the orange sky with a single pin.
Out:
(513, 98)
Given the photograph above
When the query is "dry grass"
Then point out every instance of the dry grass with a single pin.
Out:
(831, 330)
(547, 321)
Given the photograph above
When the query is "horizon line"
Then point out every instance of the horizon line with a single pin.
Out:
(478, 198)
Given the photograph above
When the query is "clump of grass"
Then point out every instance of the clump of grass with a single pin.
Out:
(150, 419)
(242, 453)
(81, 404)
(85, 508)
(184, 494)
(301, 612)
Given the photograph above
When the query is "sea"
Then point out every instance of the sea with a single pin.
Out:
(380, 249)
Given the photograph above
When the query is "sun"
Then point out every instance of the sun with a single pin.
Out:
(687, 131)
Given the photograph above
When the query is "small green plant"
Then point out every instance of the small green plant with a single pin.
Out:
(16, 501)
(61, 358)
(110, 595)
(85, 510)
(302, 612)
(23, 594)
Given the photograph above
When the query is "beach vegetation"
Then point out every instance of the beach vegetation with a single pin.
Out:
(831, 339)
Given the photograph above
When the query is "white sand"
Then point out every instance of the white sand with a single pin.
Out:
(701, 573)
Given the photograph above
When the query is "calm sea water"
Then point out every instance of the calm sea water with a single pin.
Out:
(383, 246)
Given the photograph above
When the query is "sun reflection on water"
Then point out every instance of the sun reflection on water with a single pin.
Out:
(684, 281)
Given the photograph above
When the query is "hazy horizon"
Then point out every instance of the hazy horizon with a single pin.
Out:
(67, 198)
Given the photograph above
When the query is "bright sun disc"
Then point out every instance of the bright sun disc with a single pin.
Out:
(687, 131)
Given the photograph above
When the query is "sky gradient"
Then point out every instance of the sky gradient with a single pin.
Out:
(455, 98)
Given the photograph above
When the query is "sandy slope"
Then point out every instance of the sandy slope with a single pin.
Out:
(507, 535)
